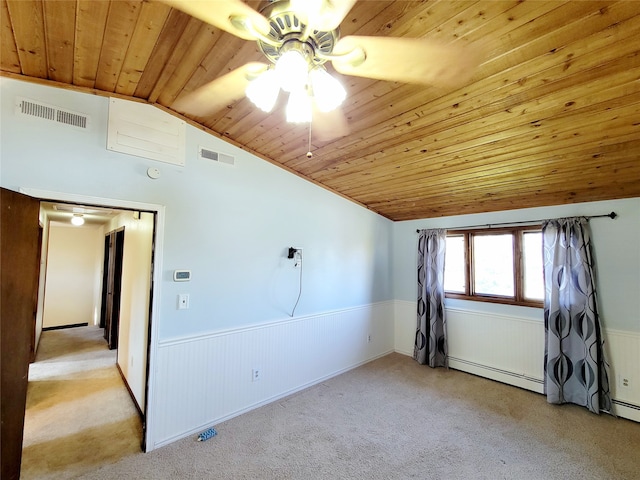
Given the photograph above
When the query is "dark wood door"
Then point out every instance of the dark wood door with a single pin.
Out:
(112, 289)
(19, 259)
(105, 282)
(107, 288)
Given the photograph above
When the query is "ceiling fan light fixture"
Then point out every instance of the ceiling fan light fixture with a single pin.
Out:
(299, 107)
(328, 92)
(292, 70)
(263, 90)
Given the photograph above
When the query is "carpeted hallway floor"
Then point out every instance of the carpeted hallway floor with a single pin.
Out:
(79, 414)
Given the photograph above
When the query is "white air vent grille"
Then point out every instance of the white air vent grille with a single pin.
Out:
(207, 154)
(72, 119)
(37, 110)
(33, 108)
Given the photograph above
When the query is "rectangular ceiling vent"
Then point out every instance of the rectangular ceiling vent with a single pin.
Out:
(206, 154)
(34, 108)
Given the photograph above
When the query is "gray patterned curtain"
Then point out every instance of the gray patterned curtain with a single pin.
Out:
(431, 333)
(576, 370)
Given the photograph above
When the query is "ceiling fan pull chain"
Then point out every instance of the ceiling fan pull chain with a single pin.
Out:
(309, 153)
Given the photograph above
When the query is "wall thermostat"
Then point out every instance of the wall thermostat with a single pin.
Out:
(181, 275)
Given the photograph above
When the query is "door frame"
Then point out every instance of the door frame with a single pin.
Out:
(156, 278)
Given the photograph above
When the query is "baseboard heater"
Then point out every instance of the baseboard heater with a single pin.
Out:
(532, 379)
(499, 370)
(625, 404)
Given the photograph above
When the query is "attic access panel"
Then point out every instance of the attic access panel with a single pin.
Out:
(145, 131)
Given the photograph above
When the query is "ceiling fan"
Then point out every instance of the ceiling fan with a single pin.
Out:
(298, 37)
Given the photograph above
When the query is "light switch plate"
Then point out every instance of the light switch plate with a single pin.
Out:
(183, 301)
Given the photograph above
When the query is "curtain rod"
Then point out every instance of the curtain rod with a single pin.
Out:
(611, 215)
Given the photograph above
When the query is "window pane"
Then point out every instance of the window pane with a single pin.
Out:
(493, 265)
(532, 260)
(454, 267)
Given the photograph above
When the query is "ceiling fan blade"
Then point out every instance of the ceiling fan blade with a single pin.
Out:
(329, 125)
(219, 13)
(408, 60)
(322, 15)
(220, 92)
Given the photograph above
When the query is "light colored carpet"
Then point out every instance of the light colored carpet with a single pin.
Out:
(395, 419)
(79, 414)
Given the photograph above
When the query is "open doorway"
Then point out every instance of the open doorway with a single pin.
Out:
(61, 318)
(75, 259)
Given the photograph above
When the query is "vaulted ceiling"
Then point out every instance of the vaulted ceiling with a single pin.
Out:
(550, 116)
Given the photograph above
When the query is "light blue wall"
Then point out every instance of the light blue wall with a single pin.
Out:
(617, 255)
(231, 225)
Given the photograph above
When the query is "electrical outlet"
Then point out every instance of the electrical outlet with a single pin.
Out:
(297, 258)
(256, 374)
(623, 381)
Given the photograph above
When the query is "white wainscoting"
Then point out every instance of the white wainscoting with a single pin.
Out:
(623, 351)
(204, 380)
(405, 314)
(510, 349)
(504, 348)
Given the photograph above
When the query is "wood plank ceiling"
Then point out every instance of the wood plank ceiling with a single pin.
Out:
(551, 116)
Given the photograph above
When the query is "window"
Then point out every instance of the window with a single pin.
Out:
(498, 265)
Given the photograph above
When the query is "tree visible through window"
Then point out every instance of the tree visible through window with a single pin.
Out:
(498, 265)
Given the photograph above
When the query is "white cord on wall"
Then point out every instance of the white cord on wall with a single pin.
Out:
(297, 257)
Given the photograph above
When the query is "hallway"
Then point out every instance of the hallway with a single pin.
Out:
(79, 414)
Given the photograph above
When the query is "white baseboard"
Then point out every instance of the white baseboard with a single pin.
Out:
(503, 376)
(626, 410)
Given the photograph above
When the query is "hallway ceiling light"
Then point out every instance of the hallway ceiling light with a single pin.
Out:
(77, 220)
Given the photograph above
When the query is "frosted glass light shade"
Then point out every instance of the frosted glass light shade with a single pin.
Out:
(263, 91)
(299, 107)
(77, 220)
(327, 90)
(292, 70)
